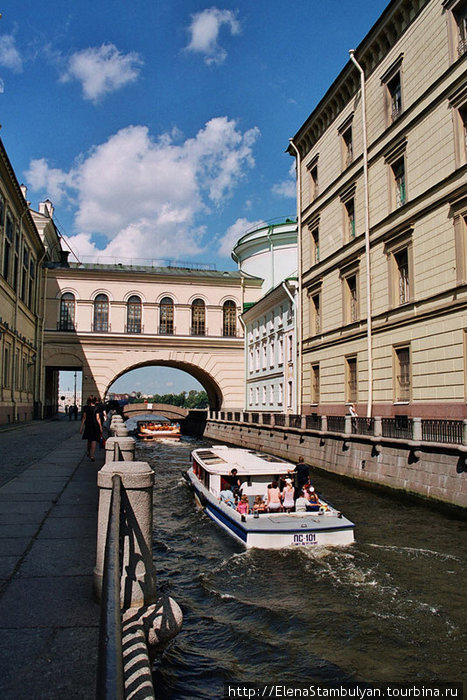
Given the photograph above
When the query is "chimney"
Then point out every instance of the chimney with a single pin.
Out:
(64, 258)
(46, 208)
(24, 190)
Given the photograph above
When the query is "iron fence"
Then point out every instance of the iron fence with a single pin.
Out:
(443, 431)
(279, 419)
(266, 418)
(313, 422)
(295, 421)
(363, 426)
(398, 427)
(255, 417)
(336, 423)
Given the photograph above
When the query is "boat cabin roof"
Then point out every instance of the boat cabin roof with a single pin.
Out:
(220, 459)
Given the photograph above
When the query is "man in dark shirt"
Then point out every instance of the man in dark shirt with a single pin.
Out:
(302, 472)
(234, 482)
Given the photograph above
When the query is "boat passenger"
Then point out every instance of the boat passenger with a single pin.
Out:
(259, 506)
(243, 507)
(287, 496)
(301, 503)
(227, 497)
(234, 482)
(302, 472)
(274, 498)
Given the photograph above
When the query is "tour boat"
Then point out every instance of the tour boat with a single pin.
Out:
(158, 429)
(210, 474)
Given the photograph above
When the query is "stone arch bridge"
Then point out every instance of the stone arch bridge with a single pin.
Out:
(106, 320)
(138, 409)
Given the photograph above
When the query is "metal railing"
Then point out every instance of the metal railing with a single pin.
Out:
(295, 421)
(363, 426)
(398, 427)
(336, 423)
(110, 679)
(442, 431)
(313, 422)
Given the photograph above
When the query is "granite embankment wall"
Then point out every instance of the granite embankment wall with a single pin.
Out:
(429, 470)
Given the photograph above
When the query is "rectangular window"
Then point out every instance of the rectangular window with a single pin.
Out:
(281, 351)
(392, 85)
(314, 233)
(347, 146)
(315, 309)
(7, 248)
(256, 395)
(271, 353)
(6, 366)
(264, 394)
(251, 367)
(281, 391)
(351, 393)
(402, 375)
(264, 356)
(401, 259)
(289, 393)
(271, 394)
(350, 218)
(315, 384)
(250, 395)
(314, 182)
(24, 275)
(395, 96)
(290, 345)
(351, 301)
(460, 16)
(400, 191)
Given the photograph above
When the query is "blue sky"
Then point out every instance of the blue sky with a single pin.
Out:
(159, 129)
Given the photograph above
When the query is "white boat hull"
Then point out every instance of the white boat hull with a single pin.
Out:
(275, 531)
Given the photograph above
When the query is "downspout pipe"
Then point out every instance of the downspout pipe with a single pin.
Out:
(298, 317)
(367, 235)
(245, 343)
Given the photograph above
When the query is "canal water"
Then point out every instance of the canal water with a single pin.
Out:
(390, 608)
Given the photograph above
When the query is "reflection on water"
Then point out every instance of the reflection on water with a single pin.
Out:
(388, 608)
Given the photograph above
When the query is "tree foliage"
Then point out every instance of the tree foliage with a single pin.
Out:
(194, 399)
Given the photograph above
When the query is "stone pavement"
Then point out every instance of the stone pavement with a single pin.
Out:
(48, 518)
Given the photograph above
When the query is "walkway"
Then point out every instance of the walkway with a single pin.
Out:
(48, 514)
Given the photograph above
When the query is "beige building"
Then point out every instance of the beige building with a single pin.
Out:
(108, 319)
(22, 252)
(383, 221)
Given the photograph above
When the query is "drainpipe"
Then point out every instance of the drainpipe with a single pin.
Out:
(367, 236)
(298, 317)
(293, 299)
(245, 342)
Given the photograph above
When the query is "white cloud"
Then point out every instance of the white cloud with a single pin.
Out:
(204, 31)
(145, 195)
(9, 54)
(286, 188)
(102, 70)
(234, 233)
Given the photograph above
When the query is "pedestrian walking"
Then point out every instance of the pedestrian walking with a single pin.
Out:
(91, 426)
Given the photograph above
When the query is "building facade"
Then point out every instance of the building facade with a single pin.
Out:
(270, 351)
(108, 319)
(270, 252)
(22, 253)
(383, 222)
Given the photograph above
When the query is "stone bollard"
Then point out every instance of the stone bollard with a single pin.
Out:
(118, 449)
(159, 615)
(121, 431)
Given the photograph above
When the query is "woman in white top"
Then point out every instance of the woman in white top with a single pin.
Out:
(287, 495)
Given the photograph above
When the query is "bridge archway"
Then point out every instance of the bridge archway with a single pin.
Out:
(133, 410)
(209, 384)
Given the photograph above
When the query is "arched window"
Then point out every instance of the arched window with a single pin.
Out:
(133, 314)
(67, 312)
(198, 317)
(101, 313)
(229, 323)
(166, 319)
